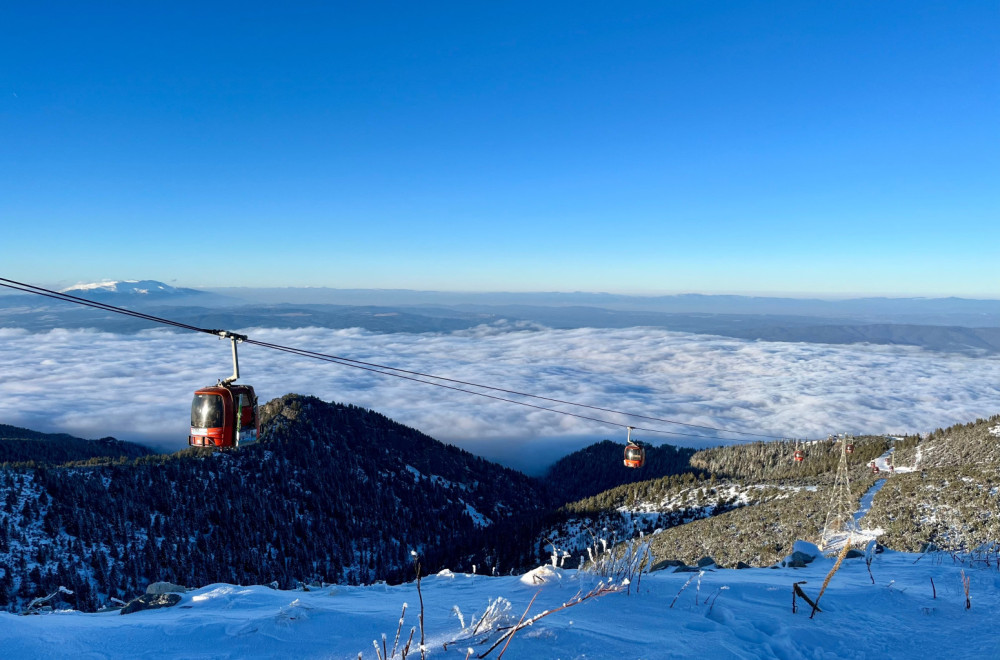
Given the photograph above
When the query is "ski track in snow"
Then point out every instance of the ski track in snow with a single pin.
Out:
(897, 617)
(866, 501)
(860, 534)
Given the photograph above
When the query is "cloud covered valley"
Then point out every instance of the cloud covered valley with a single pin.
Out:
(138, 387)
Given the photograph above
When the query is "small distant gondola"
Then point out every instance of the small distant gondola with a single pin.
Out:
(799, 455)
(225, 415)
(635, 454)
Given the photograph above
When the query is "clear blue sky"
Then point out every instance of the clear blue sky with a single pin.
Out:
(781, 147)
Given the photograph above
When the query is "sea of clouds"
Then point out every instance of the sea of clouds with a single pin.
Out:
(138, 387)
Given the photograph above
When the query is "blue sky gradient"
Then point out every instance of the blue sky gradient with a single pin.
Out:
(744, 147)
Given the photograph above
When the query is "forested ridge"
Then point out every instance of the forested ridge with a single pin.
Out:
(750, 502)
(599, 467)
(335, 493)
(20, 445)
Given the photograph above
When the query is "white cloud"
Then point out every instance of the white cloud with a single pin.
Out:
(139, 386)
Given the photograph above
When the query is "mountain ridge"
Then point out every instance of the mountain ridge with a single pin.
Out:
(24, 445)
(752, 501)
(333, 492)
(338, 493)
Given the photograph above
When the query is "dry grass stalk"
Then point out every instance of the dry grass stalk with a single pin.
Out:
(829, 576)
(420, 595)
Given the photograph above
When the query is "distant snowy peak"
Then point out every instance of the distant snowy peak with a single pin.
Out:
(141, 287)
(134, 290)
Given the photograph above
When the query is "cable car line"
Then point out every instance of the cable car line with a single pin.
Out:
(414, 376)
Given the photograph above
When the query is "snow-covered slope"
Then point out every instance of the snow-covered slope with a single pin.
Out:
(720, 614)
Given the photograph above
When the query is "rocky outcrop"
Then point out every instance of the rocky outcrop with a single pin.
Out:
(151, 602)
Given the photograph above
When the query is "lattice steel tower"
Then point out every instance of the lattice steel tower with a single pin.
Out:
(840, 521)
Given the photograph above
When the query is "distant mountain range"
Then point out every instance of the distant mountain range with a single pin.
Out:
(919, 311)
(944, 324)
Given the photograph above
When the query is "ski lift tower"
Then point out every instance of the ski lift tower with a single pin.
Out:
(840, 523)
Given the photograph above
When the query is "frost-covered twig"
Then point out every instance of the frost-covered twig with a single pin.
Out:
(622, 563)
(406, 648)
(399, 628)
(382, 653)
(685, 586)
(602, 589)
(712, 605)
(35, 605)
(510, 636)
(797, 590)
(420, 595)
(495, 612)
(869, 556)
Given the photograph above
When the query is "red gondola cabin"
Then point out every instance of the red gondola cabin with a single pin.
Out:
(799, 456)
(224, 416)
(635, 456)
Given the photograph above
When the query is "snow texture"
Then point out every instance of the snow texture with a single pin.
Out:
(731, 614)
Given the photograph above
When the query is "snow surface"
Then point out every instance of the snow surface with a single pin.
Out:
(867, 500)
(478, 519)
(109, 285)
(859, 535)
(723, 614)
(885, 467)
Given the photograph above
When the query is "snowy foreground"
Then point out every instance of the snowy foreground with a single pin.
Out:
(732, 614)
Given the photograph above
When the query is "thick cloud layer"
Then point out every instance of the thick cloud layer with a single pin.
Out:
(139, 387)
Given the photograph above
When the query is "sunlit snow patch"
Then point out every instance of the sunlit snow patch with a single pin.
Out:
(478, 519)
(544, 574)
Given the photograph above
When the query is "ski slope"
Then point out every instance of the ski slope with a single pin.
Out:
(723, 614)
(884, 463)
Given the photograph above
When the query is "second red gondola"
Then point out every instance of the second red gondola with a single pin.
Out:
(635, 454)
